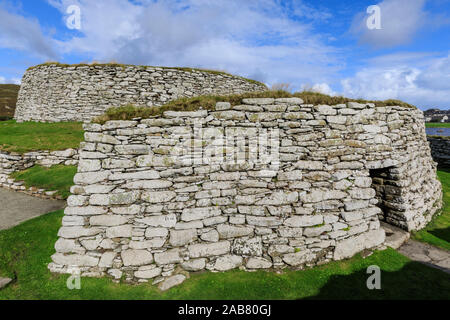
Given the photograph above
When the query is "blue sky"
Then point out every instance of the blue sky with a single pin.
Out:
(321, 45)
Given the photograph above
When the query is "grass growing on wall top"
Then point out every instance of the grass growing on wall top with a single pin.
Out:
(57, 178)
(123, 66)
(208, 102)
(34, 136)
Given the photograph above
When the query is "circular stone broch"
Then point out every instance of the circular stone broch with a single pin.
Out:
(54, 92)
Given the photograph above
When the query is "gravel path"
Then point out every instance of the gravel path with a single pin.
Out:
(16, 207)
(427, 254)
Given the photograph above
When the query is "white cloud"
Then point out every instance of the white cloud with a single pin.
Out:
(320, 88)
(4, 80)
(424, 82)
(251, 38)
(20, 33)
(400, 19)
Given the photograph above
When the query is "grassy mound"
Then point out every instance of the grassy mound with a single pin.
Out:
(8, 100)
(33, 136)
(208, 102)
(57, 178)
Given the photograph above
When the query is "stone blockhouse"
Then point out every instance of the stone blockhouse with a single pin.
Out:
(54, 92)
(155, 198)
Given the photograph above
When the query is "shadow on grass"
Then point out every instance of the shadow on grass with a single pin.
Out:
(404, 284)
(443, 234)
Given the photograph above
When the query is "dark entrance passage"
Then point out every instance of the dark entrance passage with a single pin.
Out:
(389, 195)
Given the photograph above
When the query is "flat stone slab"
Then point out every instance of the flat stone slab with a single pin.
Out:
(172, 282)
(427, 254)
(4, 282)
(395, 237)
(16, 207)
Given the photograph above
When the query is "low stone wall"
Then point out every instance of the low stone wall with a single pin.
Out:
(54, 93)
(155, 198)
(13, 162)
(440, 150)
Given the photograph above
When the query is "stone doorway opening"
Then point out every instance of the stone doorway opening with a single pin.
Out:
(387, 185)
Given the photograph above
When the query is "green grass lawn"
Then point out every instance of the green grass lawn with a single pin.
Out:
(57, 178)
(437, 125)
(33, 136)
(26, 249)
(437, 232)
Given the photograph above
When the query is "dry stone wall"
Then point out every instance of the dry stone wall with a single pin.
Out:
(11, 162)
(155, 198)
(440, 150)
(54, 93)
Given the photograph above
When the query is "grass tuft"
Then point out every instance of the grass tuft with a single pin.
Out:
(123, 66)
(208, 102)
(34, 136)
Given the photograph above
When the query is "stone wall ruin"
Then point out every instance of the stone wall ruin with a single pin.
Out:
(54, 93)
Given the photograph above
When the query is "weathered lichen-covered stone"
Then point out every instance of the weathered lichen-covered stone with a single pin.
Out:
(258, 263)
(182, 237)
(248, 246)
(298, 258)
(124, 231)
(136, 257)
(209, 249)
(228, 262)
(75, 260)
(148, 273)
(199, 213)
(348, 247)
(228, 231)
(107, 220)
(166, 221)
(194, 264)
(304, 221)
(168, 257)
